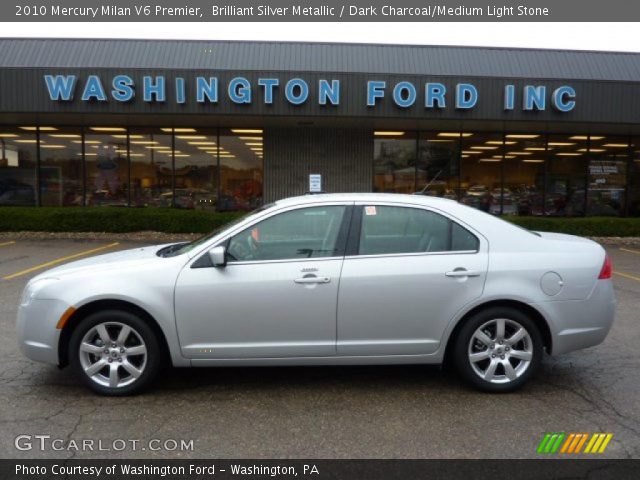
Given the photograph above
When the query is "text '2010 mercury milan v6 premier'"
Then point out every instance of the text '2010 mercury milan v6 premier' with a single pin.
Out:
(330, 279)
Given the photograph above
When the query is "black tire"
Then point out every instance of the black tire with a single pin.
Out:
(150, 367)
(462, 348)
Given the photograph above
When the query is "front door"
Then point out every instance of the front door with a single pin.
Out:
(410, 270)
(277, 295)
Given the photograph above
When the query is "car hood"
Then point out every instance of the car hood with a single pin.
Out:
(109, 260)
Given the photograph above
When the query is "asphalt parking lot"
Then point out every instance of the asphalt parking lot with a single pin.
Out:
(338, 412)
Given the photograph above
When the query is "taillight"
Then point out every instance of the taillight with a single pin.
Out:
(607, 268)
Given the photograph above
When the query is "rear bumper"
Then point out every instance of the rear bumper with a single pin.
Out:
(37, 333)
(577, 324)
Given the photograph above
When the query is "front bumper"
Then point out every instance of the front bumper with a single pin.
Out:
(38, 336)
(577, 324)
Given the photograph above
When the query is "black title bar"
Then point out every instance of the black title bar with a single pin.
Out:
(319, 11)
(592, 469)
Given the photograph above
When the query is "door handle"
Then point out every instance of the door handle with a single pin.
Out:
(461, 272)
(313, 279)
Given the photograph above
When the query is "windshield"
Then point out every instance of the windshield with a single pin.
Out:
(184, 247)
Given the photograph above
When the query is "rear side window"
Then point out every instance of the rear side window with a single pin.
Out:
(462, 239)
(387, 230)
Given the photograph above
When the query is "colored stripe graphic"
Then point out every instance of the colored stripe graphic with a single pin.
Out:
(594, 437)
(550, 443)
(606, 441)
(557, 443)
(581, 443)
(572, 443)
(596, 447)
(567, 442)
(543, 443)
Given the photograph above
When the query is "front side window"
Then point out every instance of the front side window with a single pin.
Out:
(303, 233)
(388, 230)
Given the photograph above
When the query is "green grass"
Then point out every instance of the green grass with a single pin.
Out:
(110, 219)
(168, 220)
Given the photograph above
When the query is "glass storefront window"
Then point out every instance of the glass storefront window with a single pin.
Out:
(439, 164)
(567, 173)
(222, 169)
(106, 165)
(195, 168)
(18, 159)
(241, 156)
(634, 179)
(394, 162)
(524, 166)
(61, 171)
(608, 158)
(151, 167)
(481, 182)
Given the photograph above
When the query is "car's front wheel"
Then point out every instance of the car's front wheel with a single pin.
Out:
(498, 349)
(115, 352)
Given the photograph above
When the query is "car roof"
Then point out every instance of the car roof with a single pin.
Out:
(500, 233)
(366, 197)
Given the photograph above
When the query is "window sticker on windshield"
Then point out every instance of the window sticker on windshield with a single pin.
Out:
(370, 210)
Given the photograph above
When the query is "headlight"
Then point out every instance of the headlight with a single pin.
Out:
(34, 287)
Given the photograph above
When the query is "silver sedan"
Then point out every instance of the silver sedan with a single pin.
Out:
(340, 279)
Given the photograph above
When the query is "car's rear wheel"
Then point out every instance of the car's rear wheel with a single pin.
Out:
(498, 349)
(115, 352)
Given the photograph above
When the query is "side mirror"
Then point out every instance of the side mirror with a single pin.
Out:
(218, 256)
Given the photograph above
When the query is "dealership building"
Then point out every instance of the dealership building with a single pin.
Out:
(232, 125)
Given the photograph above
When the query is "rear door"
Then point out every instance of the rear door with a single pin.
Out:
(408, 270)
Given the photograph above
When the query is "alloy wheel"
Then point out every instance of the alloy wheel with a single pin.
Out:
(500, 351)
(113, 354)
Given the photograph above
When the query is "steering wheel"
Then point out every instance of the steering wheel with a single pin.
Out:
(242, 249)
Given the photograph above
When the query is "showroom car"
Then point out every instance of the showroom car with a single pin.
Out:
(327, 279)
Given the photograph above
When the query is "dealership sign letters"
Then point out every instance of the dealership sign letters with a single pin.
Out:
(297, 91)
